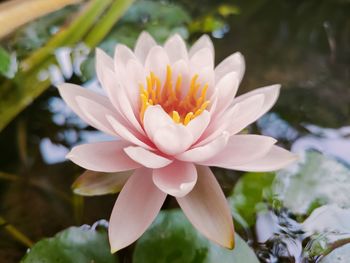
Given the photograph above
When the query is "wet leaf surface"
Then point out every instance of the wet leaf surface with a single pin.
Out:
(172, 238)
(73, 245)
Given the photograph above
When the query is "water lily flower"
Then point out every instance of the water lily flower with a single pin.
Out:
(173, 114)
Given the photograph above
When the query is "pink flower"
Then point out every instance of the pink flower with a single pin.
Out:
(173, 114)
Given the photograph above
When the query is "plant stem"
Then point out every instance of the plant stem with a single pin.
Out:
(15, 233)
(97, 34)
(16, 13)
(70, 35)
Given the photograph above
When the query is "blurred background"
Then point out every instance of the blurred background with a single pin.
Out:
(304, 45)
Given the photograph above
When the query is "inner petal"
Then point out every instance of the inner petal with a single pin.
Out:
(183, 104)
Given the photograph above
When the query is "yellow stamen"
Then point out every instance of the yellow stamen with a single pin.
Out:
(188, 118)
(176, 117)
(181, 108)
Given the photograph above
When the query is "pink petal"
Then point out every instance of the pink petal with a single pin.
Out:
(135, 75)
(202, 58)
(181, 67)
(234, 119)
(176, 48)
(207, 209)
(143, 45)
(233, 63)
(92, 183)
(122, 56)
(203, 42)
(275, 159)
(203, 153)
(96, 114)
(198, 125)
(173, 139)
(103, 61)
(126, 108)
(126, 133)
(110, 83)
(176, 179)
(156, 62)
(169, 137)
(137, 206)
(155, 117)
(226, 90)
(248, 111)
(146, 158)
(70, 92)
(270, 93)
(205, 77)
(106, 157)
(241, 149)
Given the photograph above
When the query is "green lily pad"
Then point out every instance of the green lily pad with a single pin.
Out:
(73, 245)
(248, 194)
(318, 180)
(173, 239)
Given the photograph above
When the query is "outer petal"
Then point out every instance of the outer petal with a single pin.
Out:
(122, 56)
(135, 209)
(275, 159)
(203, 153)
(233, 63)
(70, 92)
(146, 158)
(176, 179)
(226, 90)
(203, 42)
(207, 209)
(92, 183)
(271, 94)
(106, 157)
(96, 114)
(234, 119)
(176, 48)
(143, 45)
(126, 134)
(103, 61)
(241, 149)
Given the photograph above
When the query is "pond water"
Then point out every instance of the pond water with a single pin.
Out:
(304, 45)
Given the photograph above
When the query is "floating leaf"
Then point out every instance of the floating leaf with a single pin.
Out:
(318, 180)
(248, 194)
(172, 238)
(73, 245)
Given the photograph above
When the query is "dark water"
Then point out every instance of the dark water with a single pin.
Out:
(304, 45)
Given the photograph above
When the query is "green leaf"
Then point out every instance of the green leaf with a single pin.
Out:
(73, 245)
(249, 193)
(5, 61)
(172, 238)
(317, 181)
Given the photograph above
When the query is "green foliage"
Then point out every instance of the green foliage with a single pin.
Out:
(173, 239)
(5, 61)
(248, 194)
(73, 245)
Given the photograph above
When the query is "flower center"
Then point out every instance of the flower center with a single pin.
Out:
(182, 107)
